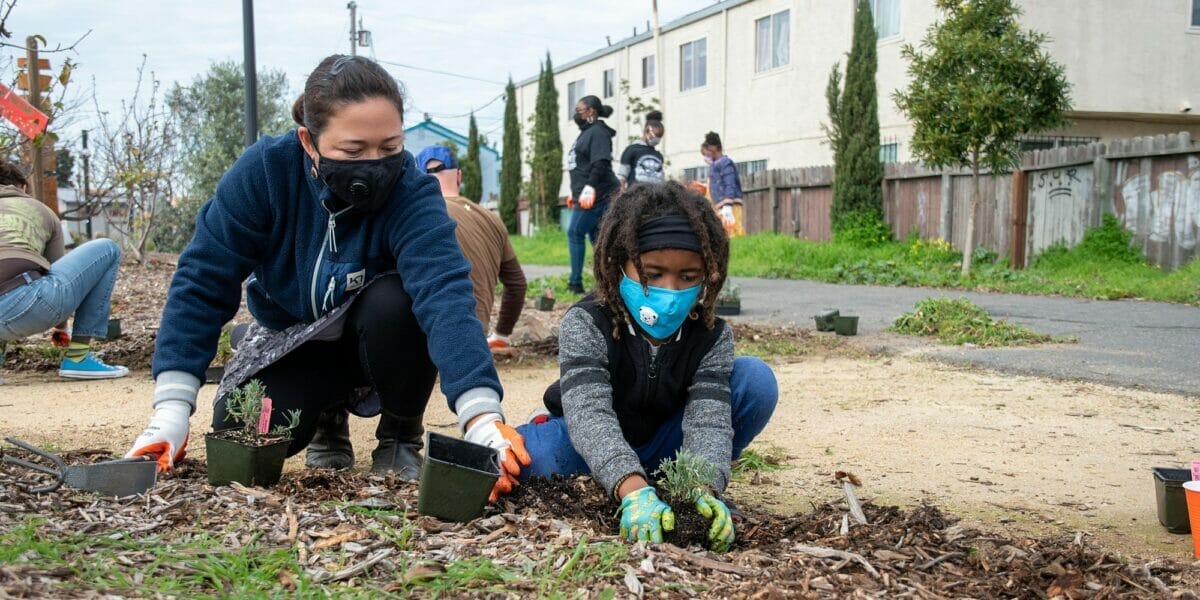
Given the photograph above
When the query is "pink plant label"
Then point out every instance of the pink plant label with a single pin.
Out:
(1196, 470)
(264, 417)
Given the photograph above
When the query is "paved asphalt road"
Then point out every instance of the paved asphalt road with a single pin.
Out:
(1145, 345)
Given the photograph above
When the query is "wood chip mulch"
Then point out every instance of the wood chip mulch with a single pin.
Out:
(332, 522)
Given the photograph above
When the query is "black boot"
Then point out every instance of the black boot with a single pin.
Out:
(399, 447)
(330, 448)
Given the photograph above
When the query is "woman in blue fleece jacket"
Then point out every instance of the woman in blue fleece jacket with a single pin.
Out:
(360, 294)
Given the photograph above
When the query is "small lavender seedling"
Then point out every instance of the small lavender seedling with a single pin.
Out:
(686, 476)
(245, 406)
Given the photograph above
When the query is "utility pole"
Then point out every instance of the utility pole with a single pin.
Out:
(87, 183)
(353, 6)
(659, 64)
(251, 76)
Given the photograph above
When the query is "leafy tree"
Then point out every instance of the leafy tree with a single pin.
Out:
(546, 160)
(857, 171)
(979, 83)
(472, 170)
(635, 114)
(65, 170)
(510, 167)
(212, 112)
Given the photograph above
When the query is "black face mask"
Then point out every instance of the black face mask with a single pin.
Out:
(364, 184)
(580, 121)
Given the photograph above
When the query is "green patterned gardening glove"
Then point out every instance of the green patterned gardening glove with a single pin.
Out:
(720, 535)
(645, 517)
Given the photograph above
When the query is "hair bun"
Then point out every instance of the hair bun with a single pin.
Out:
(606, 111)
(654, 115)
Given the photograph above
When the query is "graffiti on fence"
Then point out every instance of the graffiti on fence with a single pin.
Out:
(1163, 206)
(1058, 206)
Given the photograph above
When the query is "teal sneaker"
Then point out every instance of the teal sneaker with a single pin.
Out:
(90, 368)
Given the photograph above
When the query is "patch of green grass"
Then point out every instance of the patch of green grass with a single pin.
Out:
(958, 321)
(1103, 266)
(752, 460)
(771, 348)
(558, 285)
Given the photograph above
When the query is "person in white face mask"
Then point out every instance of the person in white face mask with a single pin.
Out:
(641, 162)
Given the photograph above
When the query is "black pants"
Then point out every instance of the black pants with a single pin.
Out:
(382, 347)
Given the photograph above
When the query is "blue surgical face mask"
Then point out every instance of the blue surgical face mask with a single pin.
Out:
(659, 311)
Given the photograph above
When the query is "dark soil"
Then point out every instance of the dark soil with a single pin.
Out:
(560, 496)
(255, 440)
(691, 528)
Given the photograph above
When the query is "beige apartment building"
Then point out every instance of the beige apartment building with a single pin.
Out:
(755, 71)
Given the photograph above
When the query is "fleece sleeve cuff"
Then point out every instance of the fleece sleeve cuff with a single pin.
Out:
(475, 402)
(176, 385)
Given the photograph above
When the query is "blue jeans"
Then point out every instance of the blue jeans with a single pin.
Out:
(81, 282)
(584, 223)
(754, 395)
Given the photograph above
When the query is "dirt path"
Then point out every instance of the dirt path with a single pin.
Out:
(1006, 452)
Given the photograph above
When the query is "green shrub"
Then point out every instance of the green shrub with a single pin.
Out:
(862, 229)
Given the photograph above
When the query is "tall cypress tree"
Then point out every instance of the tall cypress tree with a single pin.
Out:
(547, 160)
(510, 167)
(858, 172)
(472, 170)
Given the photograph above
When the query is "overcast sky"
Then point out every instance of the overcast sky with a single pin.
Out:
(484, 40)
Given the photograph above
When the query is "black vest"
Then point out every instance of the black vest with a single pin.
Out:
(647, 390)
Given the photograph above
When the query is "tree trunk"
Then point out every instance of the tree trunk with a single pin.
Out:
(969, 243)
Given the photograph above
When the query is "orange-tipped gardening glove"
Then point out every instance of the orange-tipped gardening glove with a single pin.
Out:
(166, 436)
(570, 201)
(587, 199)
(490, 431)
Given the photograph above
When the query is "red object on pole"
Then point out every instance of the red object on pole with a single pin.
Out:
(31, 121)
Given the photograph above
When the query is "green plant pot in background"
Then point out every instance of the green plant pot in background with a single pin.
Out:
(845, 325)
(544, 303)
(825, 318)
(1169, 494)
(114, 329)
(729, 309)
(456, 478)
(231, 460)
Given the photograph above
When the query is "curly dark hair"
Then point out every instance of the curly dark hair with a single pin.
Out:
(618, 243)
(712, 140)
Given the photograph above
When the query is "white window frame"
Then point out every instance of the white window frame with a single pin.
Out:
(875, 11)
(689, 58)
(610, 82)
(889, 152)
(649, 71)
(773, 47)
(575, 91)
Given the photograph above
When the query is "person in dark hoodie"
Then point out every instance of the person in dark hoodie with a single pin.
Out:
(641, 162)
(360, 294)
(592, 181)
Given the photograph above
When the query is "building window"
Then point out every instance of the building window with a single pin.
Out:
(695, 174)
(750, 167)
(1047, 142)
(889, 152)
(574, 93)
(1195, 13)
(693, 64)
(772, 41)
(887, 17)
(648, 71)
(610, 83)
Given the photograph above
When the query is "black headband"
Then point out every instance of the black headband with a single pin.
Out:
(671, 231)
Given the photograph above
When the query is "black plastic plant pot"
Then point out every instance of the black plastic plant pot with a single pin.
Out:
(825, 318)
(1172, 504)
(230, 460)
(545, 303)
(456, 478)
(214, 374)
(729, 309)
(845, 325)
(114, 329)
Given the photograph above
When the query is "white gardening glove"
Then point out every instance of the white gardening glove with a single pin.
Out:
(166, 436)
(587, 198)
(489, 430)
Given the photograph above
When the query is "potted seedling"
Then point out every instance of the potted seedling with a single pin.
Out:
(546, 300)
(729, 301)
(681, 480)
(253, 453)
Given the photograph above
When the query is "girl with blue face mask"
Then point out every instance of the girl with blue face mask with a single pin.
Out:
(647, 369)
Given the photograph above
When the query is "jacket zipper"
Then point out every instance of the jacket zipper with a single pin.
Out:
(329, 241)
